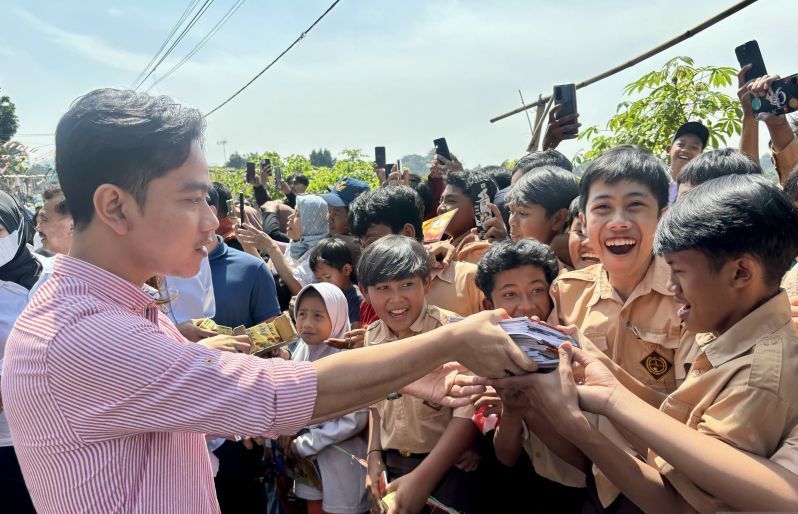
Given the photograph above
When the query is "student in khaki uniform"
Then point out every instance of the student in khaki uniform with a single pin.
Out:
(731, 238)
(398, 210)
(415, 441)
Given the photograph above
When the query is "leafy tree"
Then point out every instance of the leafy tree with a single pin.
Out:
(322, 158)
(236, 160)
(9, 123)
(417, 164)
(668, 97)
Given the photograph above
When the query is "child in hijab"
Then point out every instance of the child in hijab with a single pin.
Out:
(321, 313)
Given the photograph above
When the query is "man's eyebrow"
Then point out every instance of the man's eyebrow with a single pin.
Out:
(195, 186)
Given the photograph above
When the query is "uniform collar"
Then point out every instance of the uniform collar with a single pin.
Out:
(655, 279)
(768, 318)
(385, 334)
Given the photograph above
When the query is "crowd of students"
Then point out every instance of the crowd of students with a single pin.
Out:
(675, 280)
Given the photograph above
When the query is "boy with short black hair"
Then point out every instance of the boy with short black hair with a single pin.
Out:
(457, 195)
(539, 204)
(714, 164)
(418, 443)
(688, 143)
(332, 261)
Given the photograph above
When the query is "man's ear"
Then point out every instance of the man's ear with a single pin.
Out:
(427, 282)
(668, 149)
(112, 207)
(662, 211)
(487, 305)
(408, 230)
(364, 292)
(559, 218)
(583, 221)
(346, 269)
(745, 270)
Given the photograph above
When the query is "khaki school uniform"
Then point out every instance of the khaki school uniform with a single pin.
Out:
(741, 389)
(455, 289)
(408, 424)
(790, 282)
(643, 335)
(787, 455)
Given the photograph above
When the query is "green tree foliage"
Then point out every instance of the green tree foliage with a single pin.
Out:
(9, 123)
(236, 160)
(322, 158)
(660, 101)
(417, 164)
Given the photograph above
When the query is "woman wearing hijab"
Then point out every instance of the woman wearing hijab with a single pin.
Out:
(307, 226)
(19, 271)
(321, 313)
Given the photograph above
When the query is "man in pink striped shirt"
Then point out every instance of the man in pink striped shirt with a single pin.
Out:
(106, 401)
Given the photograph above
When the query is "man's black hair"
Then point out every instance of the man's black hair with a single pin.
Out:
(731, 216)
(550, 187)
(333, 252)
(122, 138)
(463, 180)
(55, 193)
(626, 163)
(212, 198)
(302, 179)
(542, 158)
(717, 163)
(394, 206)
(791, 186)
(573, 212)
(507, 255)
(501, 175)
(222, 195)
(392, 258)
(421, 187)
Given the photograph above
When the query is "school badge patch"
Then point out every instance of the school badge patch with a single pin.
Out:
(656, 365)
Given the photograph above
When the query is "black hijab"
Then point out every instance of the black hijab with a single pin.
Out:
(24, 269)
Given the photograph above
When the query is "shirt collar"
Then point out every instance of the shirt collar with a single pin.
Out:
(104, 283)
(385, 334)
(655, 279)
(768, 318)
(447, 274)
(220, 250)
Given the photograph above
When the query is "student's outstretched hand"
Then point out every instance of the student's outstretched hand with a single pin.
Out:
(352, 339)
(410, 493)
(486, 349)
(449, 385)
(441, 253)
(375, 488)
(560, 129)
(495, 229)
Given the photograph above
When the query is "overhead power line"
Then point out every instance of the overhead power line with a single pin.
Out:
(230, 12)
(292, 45)
(183, 17)
(177, 40)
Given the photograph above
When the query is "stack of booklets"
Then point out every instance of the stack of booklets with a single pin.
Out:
(539, 340)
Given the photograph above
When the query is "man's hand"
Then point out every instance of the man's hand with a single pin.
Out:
(410, 494)
(485, 349)
(233, 344)
(489, 398)
(441, 166)
(744, 92)
(374, 482)
(399, 178)
(759, 87)
(352, 339)
(449, 385)
(558, 129)
(248, 235)
(192, 332)
(285, 187)
(441, 253)
(495, 229)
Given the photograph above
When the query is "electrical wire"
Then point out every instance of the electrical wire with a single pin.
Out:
(292, 45)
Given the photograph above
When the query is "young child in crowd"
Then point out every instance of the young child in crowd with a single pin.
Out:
(731, 238)
(332, 262)
(321, 313)
(516, 276)
(579, 248)
(417, 442)
(539, 204)
(688, 143)
(343, 193)
(457, 195)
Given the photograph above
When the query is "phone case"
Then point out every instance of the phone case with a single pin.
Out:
(379, 156)
(781, 98)
(565, 95)
(480, 194)
(441, 148)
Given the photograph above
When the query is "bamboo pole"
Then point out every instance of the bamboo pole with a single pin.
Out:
(640, 58)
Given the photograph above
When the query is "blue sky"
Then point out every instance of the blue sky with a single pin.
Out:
(398, 74)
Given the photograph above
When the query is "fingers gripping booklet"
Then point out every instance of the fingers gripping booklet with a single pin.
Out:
(539, 340)
(265, 336)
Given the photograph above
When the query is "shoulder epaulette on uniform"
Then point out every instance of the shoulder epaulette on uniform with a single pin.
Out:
(589, 274)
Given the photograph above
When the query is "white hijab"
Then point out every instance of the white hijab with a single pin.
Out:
(337, 310)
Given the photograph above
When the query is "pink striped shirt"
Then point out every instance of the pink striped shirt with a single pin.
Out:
(108, 403)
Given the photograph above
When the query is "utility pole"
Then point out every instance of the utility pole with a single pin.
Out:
(223, 143)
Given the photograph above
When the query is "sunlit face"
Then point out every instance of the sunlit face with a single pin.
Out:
(621, 219)
(294, 225)
(684, 149)
(337, 277)
(169, 235)
(398, 303)
(579, 248)
(337, 216)
(298, 188)
(699, 288)
(455, 198)
(312, 320)
(56, 229)
(522, 292)
(374, 232)
(529, 221)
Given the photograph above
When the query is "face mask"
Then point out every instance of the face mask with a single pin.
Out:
(9, 246)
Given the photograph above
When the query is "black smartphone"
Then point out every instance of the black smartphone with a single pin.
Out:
(278, 178)
(379, 156)
(749, 53)
(388, 169)
(250, 172)
(441, 148)
(781, 98)
(480, 193)
(265, 163)
(565, 96)
(241, 206)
